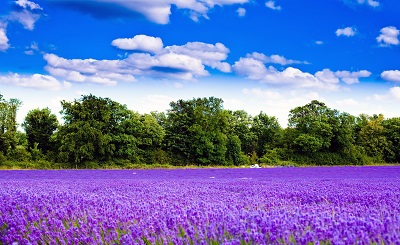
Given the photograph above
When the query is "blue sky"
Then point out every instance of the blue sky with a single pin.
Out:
(257, 56)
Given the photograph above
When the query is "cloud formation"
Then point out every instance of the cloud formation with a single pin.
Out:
(389, 36)
(371, 3)
(4, 45)
(348, 32)
(36, 81)
(27, 14)
(140, 42)
(184, 62)
(274, 59)
(241, 12)
(393, 93)
(271, 5)
(155, 11)
(255, 69)
(391, 75)
(26, 4)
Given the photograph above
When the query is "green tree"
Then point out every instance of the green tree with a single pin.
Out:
(267, 131)
(313, 123)
(372, 137)
(39, 125)
(196, 131)
(392, 133)
(97, 129)
(240, 123)
(8, 124)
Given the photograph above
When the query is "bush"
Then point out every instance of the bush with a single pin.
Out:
(20, 154)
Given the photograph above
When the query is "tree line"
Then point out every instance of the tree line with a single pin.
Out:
(99, 133)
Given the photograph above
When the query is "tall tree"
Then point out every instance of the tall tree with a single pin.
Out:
(313, 123)
(240, 123)
(8, 124)
(196, 130)
(97, 129)
(39, 125)
(372, 137)
(392, 133)
(267, 131)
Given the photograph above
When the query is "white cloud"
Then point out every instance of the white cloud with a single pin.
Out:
(140, 42)
(395, 92)
(210, 54)
(36, 81)
(352, 77)
(30, 50)
(28, 4)
(184, 62)
(389, 36)
(103, 72)
(274, 59)
(319, 42)
(271, 5)
(241, 12)
(327, 76)
(252, 68)
(348, 32)
(27, 16)
(4, 45)
(155, 11)
(372, 3)
(326, 79)
(391, 75)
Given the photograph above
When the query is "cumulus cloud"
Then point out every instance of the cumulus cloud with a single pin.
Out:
(391, 75)
(393, 93)
(274, 59)
(36, 81)
(352, 77)
(30, 50)
(103, 72)
(326, 79)
(210, 54)
(28, 4)
(271, 5)
(319, 42)
(372, 3)
(184, 62)
(139, 42)
(348, 32)
(155, 11)
(241, 12)
(4, 45)
(27, 14)
(389, 36)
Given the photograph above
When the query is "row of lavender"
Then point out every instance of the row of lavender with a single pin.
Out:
(234, 206)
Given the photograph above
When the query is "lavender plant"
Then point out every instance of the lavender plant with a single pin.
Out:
(341, 205)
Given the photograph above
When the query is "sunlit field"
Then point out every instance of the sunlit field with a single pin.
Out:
(336, 205)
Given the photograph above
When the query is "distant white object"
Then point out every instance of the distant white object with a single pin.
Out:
(255, 166)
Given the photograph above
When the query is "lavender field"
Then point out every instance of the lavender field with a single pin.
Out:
(336, 205)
